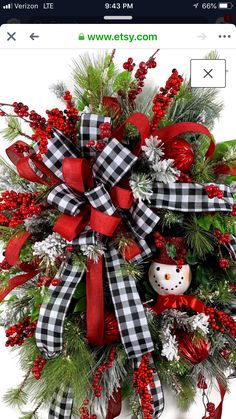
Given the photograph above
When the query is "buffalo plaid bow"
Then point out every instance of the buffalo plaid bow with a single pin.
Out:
(83, 191)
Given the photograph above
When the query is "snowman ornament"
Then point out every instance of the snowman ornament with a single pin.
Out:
(166, 278)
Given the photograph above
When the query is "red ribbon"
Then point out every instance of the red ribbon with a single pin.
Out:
(218, 411)
(95, 302)
(172, 131)
(165, 302)
(15, 282)
(24, 169)
(14, 247)
(114, 404)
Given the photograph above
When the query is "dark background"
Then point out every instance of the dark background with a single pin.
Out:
(92, 11)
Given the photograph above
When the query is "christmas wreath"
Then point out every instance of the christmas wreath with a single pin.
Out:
(119, 244)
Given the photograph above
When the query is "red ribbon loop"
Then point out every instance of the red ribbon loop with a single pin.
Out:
(77, 174)
(122, 196)
(16, 281)
(14, 246)
(70, 227)
(165, 302)
(104, 223)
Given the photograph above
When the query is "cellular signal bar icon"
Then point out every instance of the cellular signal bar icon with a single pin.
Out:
(8, 6)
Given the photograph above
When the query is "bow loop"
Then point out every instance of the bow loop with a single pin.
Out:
(113, 163)
(59, 147)
(77, 174)
(100, 199)
(66, 200)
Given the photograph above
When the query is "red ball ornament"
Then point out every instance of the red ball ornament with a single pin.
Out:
(181, 152)
(193, 349)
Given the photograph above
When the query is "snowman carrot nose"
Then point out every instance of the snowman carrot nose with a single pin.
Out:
(167, 277)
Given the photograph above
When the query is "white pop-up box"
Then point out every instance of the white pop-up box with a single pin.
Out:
(208, 73)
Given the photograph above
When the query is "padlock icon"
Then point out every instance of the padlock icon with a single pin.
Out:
(81, 37)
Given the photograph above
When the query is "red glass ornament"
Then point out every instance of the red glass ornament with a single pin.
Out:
(181, 152)
(193, 349)
(111, 331)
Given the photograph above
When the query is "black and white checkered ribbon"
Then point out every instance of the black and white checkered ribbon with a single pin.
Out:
(189, 197)
(49, 331)
(89, 130)
(61, 405)
(109, 168)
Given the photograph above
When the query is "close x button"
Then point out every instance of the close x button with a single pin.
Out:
(208, 73)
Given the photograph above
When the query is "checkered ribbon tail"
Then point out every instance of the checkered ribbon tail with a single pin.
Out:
(59, 147)
(132, 321)
(140, 219)
(89, 130)
(61, 405)
(49, 331)
(189, 197)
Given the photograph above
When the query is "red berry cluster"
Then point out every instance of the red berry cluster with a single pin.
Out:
(202, 382)
(233, 213)
(221, 321)
(64, 121)
(143, 378)
(158, 239)
(97, 388)
(180, 257)
(84, 411)
(17, 333)
(38, 366)
(46, 281)
(224, 263)
(20, 206)
(20, 109)
(209, 407)
(129, 65)
(105, 130)
(4, 265)
(213, 191)
(99, 145)
(21, 148)
(223, 238)
(140, 75)
(162, 100)
(183, 178)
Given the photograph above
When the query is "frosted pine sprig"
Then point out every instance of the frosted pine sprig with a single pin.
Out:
(153, 149)
(50, 248)
(164, 171)
(141, 186)
(93, 252)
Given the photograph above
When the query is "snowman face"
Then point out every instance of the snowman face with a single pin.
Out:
(168, 279)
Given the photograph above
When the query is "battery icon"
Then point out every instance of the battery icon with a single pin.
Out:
(225, 5)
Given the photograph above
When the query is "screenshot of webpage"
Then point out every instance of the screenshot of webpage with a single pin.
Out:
(114, 81)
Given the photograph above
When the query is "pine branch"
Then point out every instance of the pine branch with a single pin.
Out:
(13, 129)
(198, 239)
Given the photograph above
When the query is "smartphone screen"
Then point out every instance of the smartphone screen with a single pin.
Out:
(75, 79)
